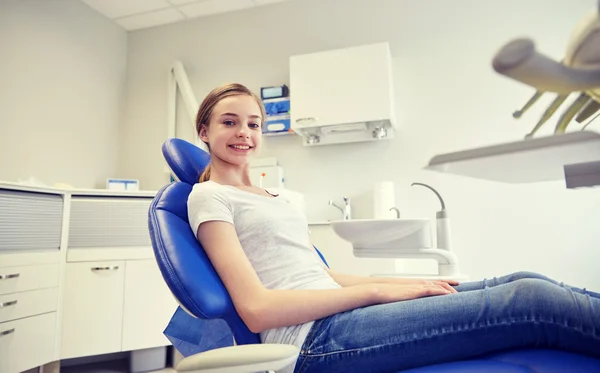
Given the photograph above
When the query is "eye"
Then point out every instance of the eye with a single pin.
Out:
(228, 122)
(254, 125)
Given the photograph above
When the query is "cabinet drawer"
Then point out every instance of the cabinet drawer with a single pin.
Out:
(27, 343)
(16, 279)
(29, 303)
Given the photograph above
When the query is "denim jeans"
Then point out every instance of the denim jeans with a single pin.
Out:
(520, 310)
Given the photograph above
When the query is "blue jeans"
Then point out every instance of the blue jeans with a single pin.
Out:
(519, 310)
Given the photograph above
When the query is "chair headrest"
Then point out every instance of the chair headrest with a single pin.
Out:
(186, 160)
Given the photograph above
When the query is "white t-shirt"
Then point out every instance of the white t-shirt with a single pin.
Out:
(274, 236)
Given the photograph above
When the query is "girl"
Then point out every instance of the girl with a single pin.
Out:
(258, 243)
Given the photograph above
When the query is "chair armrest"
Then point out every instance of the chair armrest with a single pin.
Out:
(240, 359)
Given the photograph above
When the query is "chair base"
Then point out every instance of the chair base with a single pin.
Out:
(240, 359)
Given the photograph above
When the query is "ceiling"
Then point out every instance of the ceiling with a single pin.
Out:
(139, 14)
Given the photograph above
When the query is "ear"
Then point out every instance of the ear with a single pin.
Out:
(203, 134)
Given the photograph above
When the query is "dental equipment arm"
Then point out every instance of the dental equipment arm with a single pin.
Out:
(520, 61)
(178, 79)
(578, 71)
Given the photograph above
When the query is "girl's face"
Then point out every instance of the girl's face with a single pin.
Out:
(234, 132)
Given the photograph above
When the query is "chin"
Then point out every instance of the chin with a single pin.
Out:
(239, 161)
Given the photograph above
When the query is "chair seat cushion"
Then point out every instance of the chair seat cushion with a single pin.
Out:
(519, 361)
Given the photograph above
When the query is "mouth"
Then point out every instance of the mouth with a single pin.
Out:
(241, 148)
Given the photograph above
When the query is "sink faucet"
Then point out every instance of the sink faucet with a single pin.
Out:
(346, 210)
(397, 212)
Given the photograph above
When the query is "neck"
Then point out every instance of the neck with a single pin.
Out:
(228, 174)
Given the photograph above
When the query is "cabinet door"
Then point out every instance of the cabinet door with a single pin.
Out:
(92, 309)
(27, 343)
(350, 85)
(148, 307)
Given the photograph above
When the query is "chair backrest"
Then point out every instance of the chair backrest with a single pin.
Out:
(181, 259)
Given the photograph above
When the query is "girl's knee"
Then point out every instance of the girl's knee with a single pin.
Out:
(532, 289)
(522, 275)
(535, 297)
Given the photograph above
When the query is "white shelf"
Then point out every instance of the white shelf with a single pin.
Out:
(276, 134)
(524, 161)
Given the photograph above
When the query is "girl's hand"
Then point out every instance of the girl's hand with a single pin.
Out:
(388, 293)
(447, 284)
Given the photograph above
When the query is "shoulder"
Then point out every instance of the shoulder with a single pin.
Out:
(206, 187)
(207, 191)
(208, 201)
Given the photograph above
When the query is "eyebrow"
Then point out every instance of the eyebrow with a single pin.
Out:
(237, 116)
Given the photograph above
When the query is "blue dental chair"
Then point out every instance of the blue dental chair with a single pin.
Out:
(204, 299)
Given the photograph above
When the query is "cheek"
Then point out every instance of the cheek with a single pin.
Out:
(219, 138)
(257, 139)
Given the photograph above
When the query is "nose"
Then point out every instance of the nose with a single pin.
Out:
(243, 131)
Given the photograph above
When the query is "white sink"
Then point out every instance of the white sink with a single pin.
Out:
(396, 238)
(385, 234)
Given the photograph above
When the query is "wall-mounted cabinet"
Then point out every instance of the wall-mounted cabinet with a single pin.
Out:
(343, 95)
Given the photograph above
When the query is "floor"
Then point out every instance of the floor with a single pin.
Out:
(117, 366)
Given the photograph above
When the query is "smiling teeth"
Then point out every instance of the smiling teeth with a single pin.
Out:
(241, 147)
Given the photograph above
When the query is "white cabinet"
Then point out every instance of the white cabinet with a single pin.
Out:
(148, 306)
(28, 310)
(85, 283)
(114, 306)
(343, 95)
(92, 308)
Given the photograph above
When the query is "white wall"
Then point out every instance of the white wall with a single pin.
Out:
(447, 98)
(62, 76)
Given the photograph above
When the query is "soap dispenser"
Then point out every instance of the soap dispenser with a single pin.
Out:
(442, 221)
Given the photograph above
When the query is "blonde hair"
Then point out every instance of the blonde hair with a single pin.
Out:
(208, 104)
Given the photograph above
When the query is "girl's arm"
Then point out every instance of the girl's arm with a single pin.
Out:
(262, 309)
(351, 280)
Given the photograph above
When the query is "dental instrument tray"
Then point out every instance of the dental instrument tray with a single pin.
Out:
(555, 157)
